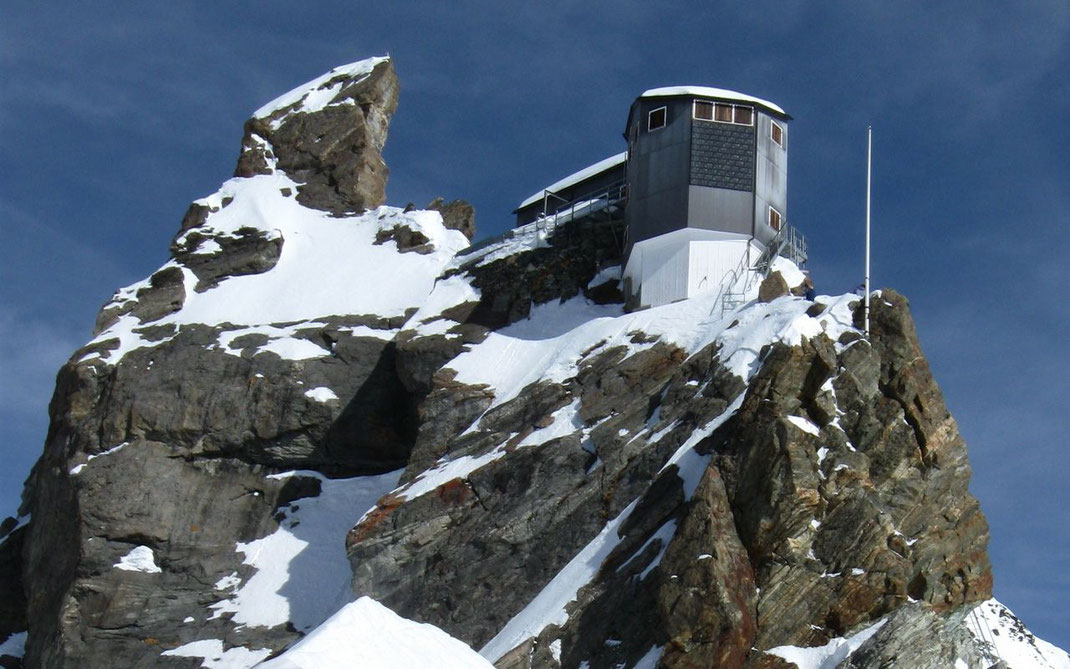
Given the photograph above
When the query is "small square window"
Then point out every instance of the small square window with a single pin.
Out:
(703, 110)
(723, 113)
(744, 115)
(656, 119)
(776, 133)
(774, 219)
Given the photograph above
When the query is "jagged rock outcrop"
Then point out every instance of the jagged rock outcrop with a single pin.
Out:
(559, 482)
(456, 215)
(835, 493)
(201, 383)
(329, 137)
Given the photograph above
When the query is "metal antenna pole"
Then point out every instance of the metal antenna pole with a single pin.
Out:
(869, 180)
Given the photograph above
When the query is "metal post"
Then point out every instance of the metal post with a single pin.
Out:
(869, 180)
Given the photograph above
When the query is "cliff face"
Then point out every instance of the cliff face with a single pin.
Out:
(730, 485)
(319, 398)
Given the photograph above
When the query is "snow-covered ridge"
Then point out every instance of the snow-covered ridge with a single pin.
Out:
(1006, 639)
(314, 95)
(997, 632)
(549, 345)
(328, 266)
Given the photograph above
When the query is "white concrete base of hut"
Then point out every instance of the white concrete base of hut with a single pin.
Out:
(688, 262)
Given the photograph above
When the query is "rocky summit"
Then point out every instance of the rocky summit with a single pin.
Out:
(329, 432)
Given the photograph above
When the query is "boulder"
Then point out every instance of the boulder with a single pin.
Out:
(772, 287)
(457, 215)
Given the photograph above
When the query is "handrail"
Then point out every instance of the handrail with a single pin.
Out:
(608, 195)
(787, 242)
(620, 186)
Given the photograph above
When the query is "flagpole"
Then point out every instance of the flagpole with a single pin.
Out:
(869, 180)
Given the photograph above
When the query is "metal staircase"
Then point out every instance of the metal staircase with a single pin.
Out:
(788, 242)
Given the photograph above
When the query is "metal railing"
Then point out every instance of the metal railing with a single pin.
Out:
(611, 194)
(788, 242)
(602, 199)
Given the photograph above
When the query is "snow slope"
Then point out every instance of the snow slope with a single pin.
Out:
(996, 628)
(324, 262)
(366, 634)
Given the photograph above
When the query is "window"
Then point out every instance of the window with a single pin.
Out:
(656, 119)
(724, 112)
(776, 133)
(774, 219)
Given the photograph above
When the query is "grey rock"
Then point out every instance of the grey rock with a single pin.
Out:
(164, 295)
(335, 153)
(919, 638)
(406, 238)
(247, 251)
(109, 616)
(457, 215)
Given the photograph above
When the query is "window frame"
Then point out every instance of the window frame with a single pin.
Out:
(664, 118)
(773, 127)
(779, 218)
(714, 104)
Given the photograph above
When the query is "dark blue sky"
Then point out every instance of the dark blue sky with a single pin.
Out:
(115, 116)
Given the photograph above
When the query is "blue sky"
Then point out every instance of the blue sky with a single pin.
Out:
(115, 116)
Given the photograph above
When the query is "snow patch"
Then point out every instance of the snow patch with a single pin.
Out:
(605, 275)
(577, 177)
(327, 266)
(664, 535)
(793, 276)
(564, 423)
(211, 651)
(78, 468)
(805, 425)
(314, 95)
(831, 654)
(321, 394)
(302, 573)
(512, 358)
(15, 645)
(141, 558)
(707, 92)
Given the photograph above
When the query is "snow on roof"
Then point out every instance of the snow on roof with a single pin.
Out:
(573, 179)
(708, 92)
(315, 94)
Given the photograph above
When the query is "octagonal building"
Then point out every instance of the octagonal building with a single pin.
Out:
(707, 189)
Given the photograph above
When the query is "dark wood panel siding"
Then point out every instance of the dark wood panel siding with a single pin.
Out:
(722, 155)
